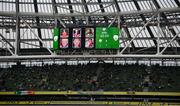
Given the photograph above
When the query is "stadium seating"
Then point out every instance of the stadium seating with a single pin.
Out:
(165, 79)
(91, 77)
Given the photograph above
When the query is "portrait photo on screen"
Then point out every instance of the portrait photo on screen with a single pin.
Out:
(76, 32)
(64, 33)
(64, 43)
(89, 42)
(76, 43)
(89, 32)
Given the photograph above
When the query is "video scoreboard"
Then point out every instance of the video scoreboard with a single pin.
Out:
(86, 38)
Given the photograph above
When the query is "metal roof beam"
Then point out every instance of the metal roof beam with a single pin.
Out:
(38, 22)
(66, 25)
(86, 11)
(44, 45)
(144, 19)
(169, 42)
(71, 11)
(138, 33)
(177, 2)
(126, 13)
(103, 11)
(165, 17)
(2, 41)
(7, 41)
(85, 56)
(123, 21)
(122, 38)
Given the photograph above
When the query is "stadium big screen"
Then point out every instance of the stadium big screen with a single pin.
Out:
(107, 38)
(76, 41)
(86, 38)
(89, 37)
(64, 38)
(56, 38)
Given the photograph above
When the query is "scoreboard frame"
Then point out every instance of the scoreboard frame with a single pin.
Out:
(82, 38)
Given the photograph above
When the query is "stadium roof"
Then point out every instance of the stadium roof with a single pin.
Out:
(33, 20)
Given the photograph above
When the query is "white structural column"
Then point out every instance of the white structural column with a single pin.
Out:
(158, 35)
(17, 39)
